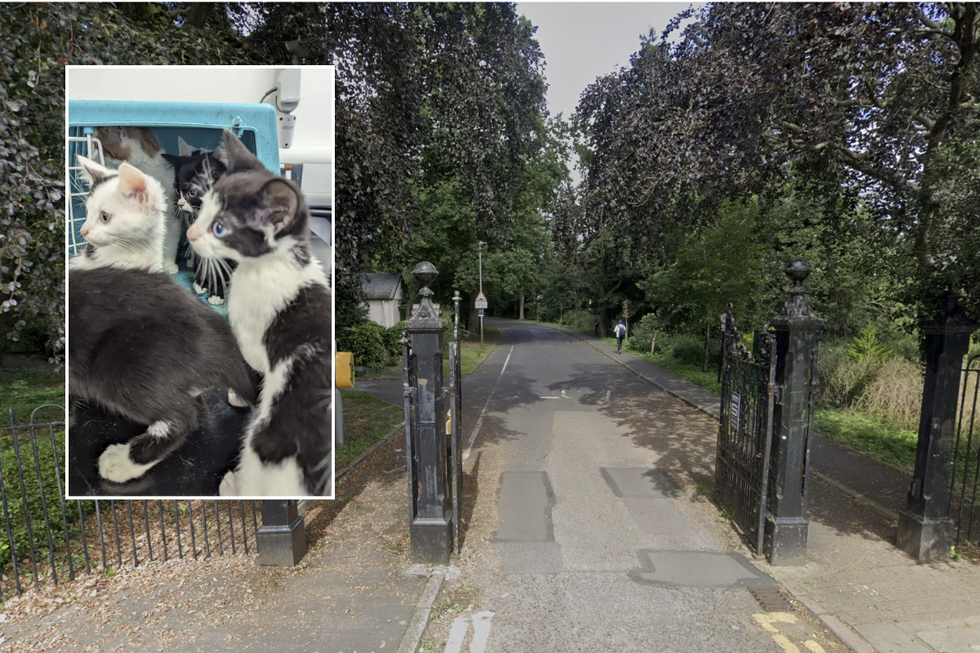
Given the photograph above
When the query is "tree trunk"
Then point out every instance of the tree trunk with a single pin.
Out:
(522, 305)
(707, 333)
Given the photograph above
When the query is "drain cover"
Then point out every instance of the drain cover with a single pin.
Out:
(772, 599)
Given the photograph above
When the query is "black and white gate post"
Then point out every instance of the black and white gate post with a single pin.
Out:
(796, 330)
(925, 530)
(426, 428)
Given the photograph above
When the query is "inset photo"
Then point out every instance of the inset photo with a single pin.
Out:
(200, 281)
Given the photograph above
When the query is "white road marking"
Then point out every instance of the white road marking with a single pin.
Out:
(481, 631)
(479, 422)
(564, 396)
(549, 397)
(457, 634)
(608, 392)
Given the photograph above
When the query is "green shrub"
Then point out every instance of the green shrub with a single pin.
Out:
(841, 380)
(392, 339)
(688, 349)
(866, 345)
(644, 332)
(580, 320)
(366, 342)
(464, 333)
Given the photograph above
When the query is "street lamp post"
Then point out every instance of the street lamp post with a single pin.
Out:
(480, 252)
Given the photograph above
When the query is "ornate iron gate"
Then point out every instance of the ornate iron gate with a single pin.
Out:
(746, 430)
(964, 474)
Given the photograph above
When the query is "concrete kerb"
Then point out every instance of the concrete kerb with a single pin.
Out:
(845, 633)
(423, 611)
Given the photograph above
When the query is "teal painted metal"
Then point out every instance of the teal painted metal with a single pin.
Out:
(170, 119)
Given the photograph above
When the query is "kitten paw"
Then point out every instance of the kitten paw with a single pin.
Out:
(170, 267)
(200, 290)
(115, 465)
(228, 487)
(214, 300)
(235, 400)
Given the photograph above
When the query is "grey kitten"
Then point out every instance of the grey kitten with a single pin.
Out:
(143, 347)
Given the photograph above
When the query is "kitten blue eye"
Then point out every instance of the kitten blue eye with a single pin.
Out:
(219, 230)
(105, 217)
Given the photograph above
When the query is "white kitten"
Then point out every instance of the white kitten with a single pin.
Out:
(124, 216)
(138, 147)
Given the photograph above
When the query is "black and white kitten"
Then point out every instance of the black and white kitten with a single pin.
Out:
(196, 171)
(143, 347)
(279, 306)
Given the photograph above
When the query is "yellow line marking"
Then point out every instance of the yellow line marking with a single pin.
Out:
(766, 620)
(785, 644)
(813, 646)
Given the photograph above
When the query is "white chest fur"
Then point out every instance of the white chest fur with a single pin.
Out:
(260, 289)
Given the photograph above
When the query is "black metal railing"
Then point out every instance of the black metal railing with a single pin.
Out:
(745, 433)
(48, 538)
(965, 466)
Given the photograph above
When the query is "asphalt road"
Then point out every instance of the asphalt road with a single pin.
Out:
(588, 533)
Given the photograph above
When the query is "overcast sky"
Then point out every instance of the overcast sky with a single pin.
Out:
(585, 40)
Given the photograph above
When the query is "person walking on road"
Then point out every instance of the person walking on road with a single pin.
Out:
(620, 332)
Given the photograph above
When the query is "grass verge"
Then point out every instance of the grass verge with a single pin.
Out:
(25, 388)
(473, 354)
(366, 421)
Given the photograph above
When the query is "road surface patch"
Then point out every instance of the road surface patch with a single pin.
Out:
(698, 569)
(641, 482)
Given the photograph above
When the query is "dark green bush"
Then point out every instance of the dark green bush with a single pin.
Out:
(392, 339)
(580, 320)
(688, 349)
(366, 342)
(644, 331)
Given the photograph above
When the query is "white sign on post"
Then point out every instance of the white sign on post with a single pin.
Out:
(481, 301)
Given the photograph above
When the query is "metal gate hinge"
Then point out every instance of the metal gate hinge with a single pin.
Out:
(776, 390)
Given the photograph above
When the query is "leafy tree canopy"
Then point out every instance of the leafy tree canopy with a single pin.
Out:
(876, 102)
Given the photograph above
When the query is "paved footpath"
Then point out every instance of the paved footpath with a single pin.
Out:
(874, 595)
(590, 529)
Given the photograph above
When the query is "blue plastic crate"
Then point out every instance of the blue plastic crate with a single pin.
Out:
(199, 123)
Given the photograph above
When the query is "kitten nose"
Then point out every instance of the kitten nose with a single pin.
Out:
(84, 230)
(193, 233)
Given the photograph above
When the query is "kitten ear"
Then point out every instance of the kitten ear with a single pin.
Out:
(133, 183)
(92, 172)
(183, 149)
(221, 154)
(173, 160)
(239, 158)
(281, 201)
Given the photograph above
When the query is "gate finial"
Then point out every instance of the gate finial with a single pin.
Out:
(797, 305)
(425, 273)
